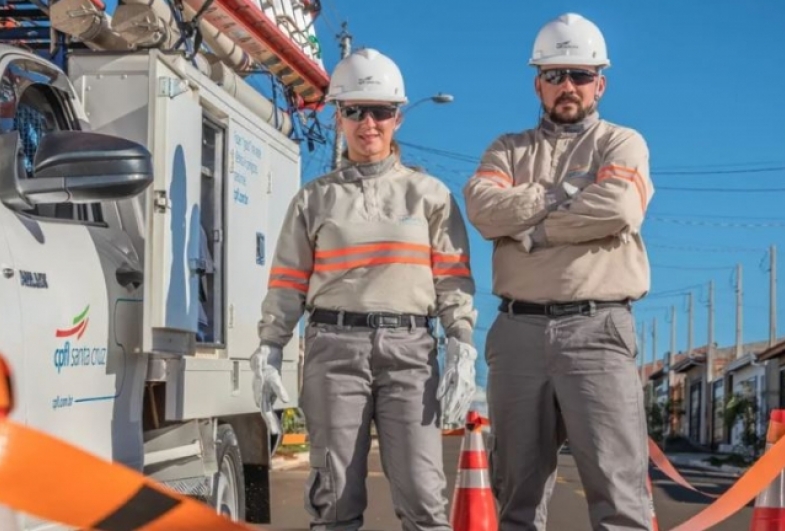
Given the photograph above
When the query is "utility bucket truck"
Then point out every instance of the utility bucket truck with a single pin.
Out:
(142, 189)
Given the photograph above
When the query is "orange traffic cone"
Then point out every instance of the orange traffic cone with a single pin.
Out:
(654, 525)
(473, 505)
(769, 513)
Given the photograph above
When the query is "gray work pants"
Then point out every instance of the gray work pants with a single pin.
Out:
(575, 377)
(355, 375)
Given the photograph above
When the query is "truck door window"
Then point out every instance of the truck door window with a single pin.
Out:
(38, 112)
(211, 249)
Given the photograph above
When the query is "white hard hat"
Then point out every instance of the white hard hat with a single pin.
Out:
(367, 75)
(570, 40)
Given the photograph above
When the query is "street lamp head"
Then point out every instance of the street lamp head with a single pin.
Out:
(442, 98)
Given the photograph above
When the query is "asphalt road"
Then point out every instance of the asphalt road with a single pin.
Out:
(568, 510)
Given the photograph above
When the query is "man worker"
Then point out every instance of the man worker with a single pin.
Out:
(563, 204)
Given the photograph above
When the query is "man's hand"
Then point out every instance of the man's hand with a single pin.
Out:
(267, 384)
(532, 238)
(560, 195)
(457, 385)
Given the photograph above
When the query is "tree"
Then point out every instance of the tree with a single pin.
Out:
(744, 407)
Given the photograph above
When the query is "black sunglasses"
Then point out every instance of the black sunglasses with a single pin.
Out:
(557, 76)
(356, 113)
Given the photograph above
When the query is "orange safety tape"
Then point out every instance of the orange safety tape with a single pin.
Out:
(661, 461)
(58, 482)
(746, 488)
(757, 478)
(473, 419)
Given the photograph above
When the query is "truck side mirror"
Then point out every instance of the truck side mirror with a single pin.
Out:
(75, 167)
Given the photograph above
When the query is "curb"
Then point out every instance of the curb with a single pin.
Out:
(300, 459)
(283, 463)
(726, 471)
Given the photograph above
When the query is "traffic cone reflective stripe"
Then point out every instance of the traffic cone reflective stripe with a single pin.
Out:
(473, 507)
(769, 512)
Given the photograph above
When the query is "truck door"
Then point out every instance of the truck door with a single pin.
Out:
(10, 318)
(76, 282)
(174, 261)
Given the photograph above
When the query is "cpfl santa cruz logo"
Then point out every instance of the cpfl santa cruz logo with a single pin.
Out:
(74, 352)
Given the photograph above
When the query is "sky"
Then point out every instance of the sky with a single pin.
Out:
(700, 80)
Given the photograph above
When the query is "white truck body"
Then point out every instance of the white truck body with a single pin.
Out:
(128, 322)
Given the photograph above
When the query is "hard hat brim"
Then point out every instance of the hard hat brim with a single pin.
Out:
(362, 95)
(570, 61)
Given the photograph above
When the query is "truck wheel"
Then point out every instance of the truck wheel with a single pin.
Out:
(229, 484)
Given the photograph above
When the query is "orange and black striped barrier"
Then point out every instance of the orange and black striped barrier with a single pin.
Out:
(58, 482)
(40, 475)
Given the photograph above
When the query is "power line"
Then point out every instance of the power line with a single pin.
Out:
(674, 292)
(720, 190)
(725, 169)
(719, 224)
(719, 171)
(700, 249)
(709, 216)
(690, 268)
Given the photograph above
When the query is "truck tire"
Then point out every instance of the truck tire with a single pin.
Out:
(229, 483)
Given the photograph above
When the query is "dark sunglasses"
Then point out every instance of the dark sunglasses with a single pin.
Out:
(356, 113)
(557, 76)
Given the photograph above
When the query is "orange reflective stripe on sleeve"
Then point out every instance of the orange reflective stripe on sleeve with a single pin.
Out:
(287, 278)
(626, 174)
(499, 178)
(373, 254)
(445, 264)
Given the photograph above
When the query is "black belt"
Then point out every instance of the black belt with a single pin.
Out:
(369, 320)
(559, 309)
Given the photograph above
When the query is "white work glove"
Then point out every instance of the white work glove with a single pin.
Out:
(532, 237)
(457, 384)
(267, 384)
(560, 195)
(625, 236)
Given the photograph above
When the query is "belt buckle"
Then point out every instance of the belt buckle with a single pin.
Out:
(560, 310)
(556, 310)
(384, 320)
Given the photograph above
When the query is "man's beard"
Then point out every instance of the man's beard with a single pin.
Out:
(563, 118)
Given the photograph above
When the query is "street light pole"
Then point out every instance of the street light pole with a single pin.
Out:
(345, 40)
(438, 98)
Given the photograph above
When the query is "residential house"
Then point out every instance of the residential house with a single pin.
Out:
(773, 359)
(745, 377)
(692, 367)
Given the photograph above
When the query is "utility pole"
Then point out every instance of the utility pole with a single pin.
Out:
(710, 348)
(772, 295)
(673, 335)
(654, 342)
(652, 389)
(739, 312)
(669, 376)
(642, 351)
(345, 42)
(709, 377)
(690, 314)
